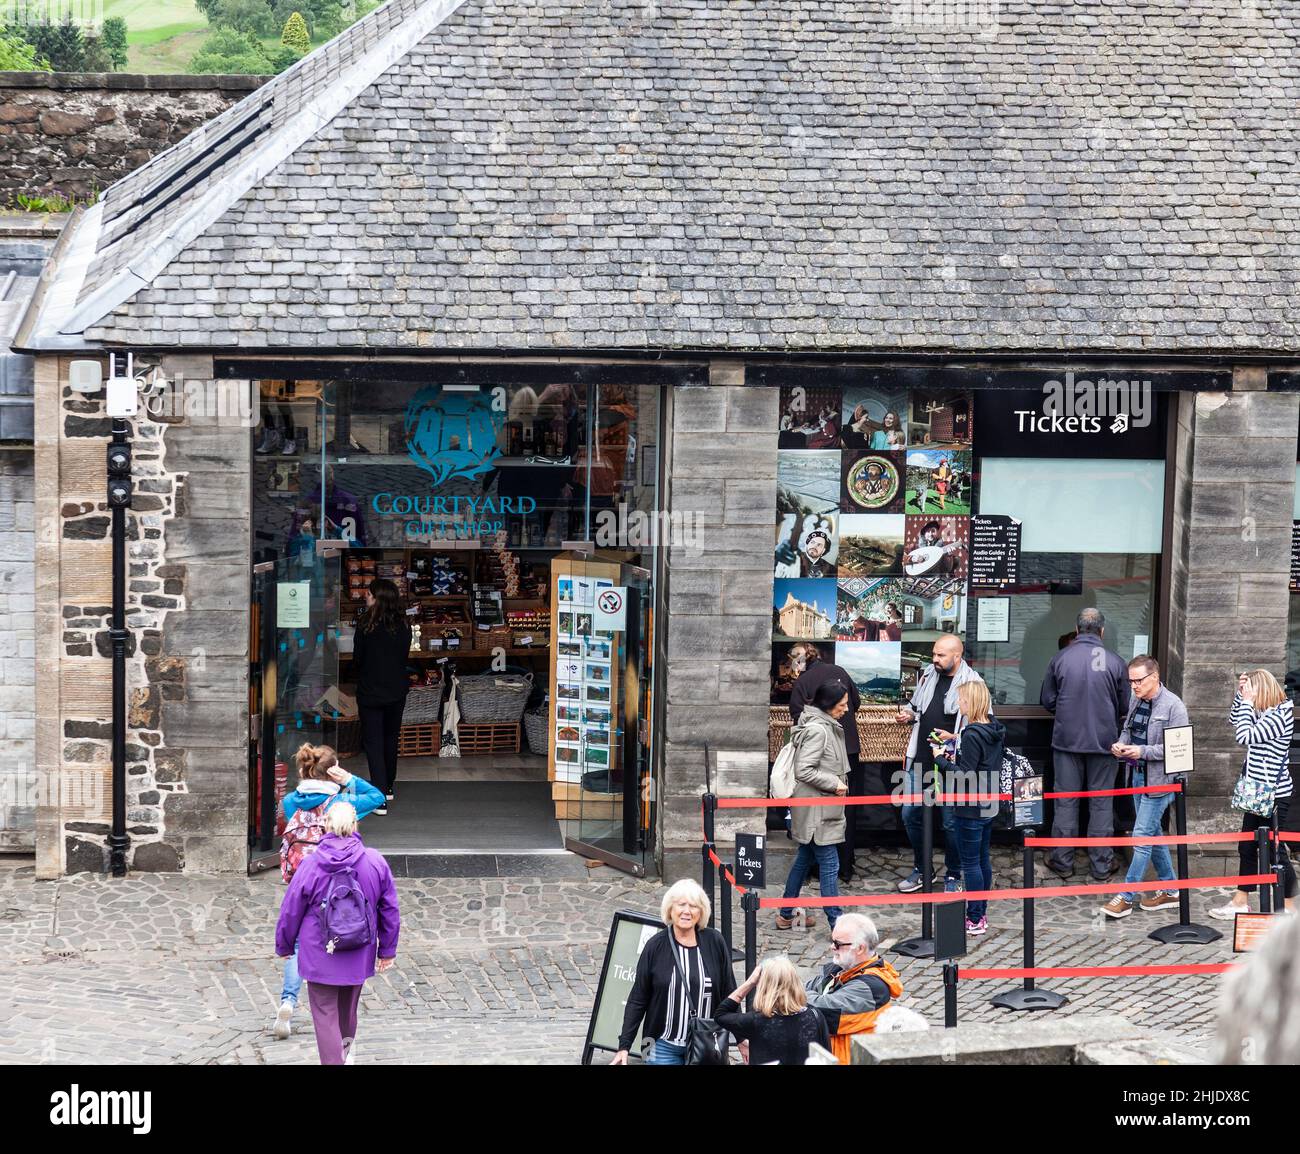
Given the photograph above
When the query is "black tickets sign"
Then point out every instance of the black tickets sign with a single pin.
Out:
(995, 551)
(1295, 556)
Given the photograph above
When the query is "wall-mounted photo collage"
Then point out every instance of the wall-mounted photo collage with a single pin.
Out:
(584, 707)
(875, 489)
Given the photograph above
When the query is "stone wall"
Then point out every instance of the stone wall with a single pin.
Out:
(17, 652)
(722, 467)
(187, 656)
(77, 132)
(1234, 488)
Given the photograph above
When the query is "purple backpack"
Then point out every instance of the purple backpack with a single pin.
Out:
(347, 919)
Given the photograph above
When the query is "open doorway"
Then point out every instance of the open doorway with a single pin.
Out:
(526, 723)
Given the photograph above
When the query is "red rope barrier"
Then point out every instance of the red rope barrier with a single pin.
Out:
(726, 873)
(1098, 971)
(1285, 836)
(1120, 887)
(921, 799)
(1164, 839)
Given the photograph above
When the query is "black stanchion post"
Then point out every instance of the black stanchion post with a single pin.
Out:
(707, 871)
(710, 817)
(1264, 865)
(949, 995)
(923, 947)
(749, 906)
(1027, 997)
(1279, 889)
(724, 900)
(1185, 932)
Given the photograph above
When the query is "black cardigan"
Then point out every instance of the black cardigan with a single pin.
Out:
(648, 998)
(379, 664)
(783, 1039)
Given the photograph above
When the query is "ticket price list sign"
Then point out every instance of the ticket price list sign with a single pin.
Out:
(994, 551)
(1295, 556)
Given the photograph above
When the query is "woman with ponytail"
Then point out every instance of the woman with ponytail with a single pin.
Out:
(321, 782)
(379, 657)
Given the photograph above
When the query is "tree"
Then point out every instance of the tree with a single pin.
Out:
(232, 52)
(113, 38)
(62, 44)
(294, 34)
(95, 57)
(17, 55)
(252, 16)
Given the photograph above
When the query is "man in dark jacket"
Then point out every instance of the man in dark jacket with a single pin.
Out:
(1086, 687)
(814, 674)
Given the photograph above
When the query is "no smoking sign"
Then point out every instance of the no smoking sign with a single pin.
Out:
(611, 609)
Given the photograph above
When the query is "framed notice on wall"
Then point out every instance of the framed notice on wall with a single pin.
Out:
(1178, 749)
(993, 620)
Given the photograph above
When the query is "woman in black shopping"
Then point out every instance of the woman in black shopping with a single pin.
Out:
(782, 1025)
(379, 657)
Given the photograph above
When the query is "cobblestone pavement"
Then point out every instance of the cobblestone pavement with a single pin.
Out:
(180, 969)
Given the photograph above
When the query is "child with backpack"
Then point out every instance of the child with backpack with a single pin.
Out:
(321, 782)
(341, 912)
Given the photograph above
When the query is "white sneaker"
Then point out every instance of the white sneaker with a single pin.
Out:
(352, 1049)
(1225, 913)
(283, 1020)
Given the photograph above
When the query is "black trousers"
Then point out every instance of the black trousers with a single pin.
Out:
(380, 728)
(857, 782)
(1246, 849)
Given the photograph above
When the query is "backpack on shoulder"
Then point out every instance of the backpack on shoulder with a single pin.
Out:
(347, 919)
(1014, 767)
(783, 780)
(302, 835)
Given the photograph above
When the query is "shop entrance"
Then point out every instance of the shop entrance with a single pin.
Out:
(501, 513)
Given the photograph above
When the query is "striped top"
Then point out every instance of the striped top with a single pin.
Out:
(680, 1001)
(1267, 738)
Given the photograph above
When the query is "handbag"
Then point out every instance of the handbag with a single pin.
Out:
(1255, 797)
(706, 1041)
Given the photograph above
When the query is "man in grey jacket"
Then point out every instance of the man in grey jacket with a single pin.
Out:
(1086, 687)
(1142, 745)
(933, 707)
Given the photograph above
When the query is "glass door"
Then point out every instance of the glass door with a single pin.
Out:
(297, 698)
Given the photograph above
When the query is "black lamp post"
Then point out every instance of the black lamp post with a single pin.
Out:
(119, 500)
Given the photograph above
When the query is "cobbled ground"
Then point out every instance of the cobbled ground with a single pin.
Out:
(164, 968)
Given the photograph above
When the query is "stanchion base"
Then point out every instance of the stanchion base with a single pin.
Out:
(915, 948)
(1181, 935)
(1022, 999)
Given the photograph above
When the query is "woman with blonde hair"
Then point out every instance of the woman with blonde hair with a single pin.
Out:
(1262, 720)
(341, 915)
(976, 771)
(321, 783)
(782, 1025)
(684, 971)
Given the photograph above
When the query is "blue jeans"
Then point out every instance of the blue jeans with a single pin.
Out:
(974, 835)
(666, 1054)
(292, 979)
(827, 858)
(912, 823)
(1150, 810)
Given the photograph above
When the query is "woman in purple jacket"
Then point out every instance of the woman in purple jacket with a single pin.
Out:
(335, 977)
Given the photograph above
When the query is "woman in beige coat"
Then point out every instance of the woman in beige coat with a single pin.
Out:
(821, 769)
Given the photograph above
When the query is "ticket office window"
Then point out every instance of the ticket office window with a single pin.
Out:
(1091, 538)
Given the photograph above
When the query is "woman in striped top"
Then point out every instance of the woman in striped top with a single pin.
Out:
(1262, 720)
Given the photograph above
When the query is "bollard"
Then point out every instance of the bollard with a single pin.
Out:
(1026, 997)
(1184, 931)
(749, 906)
(1263, 866)
(923, 947)
(950, 995)
(708, 874)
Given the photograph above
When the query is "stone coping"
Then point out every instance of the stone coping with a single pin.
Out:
(130, 80)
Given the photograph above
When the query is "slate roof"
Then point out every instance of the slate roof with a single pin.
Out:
(626, 174)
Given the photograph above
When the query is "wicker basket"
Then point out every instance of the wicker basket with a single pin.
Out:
(497, 636)
(347, 736)
(423, 705)
(536, 725)
(881, 737)
(494, 698)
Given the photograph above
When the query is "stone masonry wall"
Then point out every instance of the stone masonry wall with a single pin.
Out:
(187, 613)
(77, 132)
(17, 652)
(1232, 554)
(723, 442)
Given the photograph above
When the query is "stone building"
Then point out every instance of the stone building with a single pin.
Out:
(699, 256)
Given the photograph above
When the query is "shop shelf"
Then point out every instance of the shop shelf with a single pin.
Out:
(488, 737)
(419, 740)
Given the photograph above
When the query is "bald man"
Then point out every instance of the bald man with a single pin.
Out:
(933, 707)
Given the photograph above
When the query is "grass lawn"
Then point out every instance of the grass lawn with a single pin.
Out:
(144, 18)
